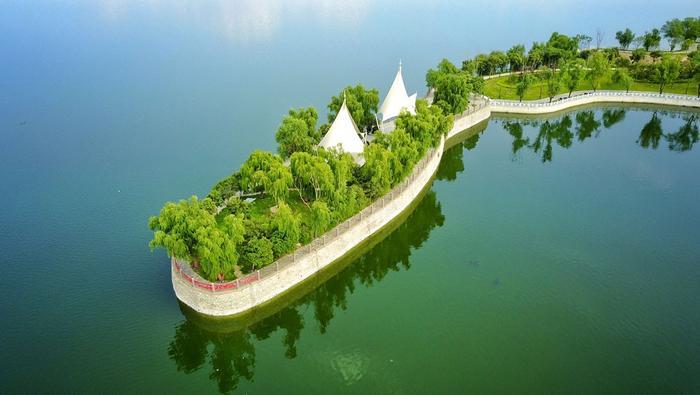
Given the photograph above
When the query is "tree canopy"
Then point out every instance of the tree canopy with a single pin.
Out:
(362, 103)
(297, 132)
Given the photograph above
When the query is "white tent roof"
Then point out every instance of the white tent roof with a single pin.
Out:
(343, 134)
(397, 99)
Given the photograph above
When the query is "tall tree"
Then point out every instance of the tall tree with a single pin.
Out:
(621, 76)
(255, 172)
(516, 57)
(286, 230)
(377, 170)
(552, 78)
(298, 132)
(598, 68)
(652, 39)
(452, 87)
(362, 104)
(572, 74)
(667, 71)
(583, 41)
(624, 38)
(674, 32)
(320, 218)
(524, 83)
(311, 173)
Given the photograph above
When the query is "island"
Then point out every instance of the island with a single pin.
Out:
(285, 216)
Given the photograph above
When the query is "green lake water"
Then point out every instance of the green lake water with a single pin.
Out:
(551, 255)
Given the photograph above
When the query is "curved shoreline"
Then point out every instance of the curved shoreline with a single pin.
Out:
(271, 282)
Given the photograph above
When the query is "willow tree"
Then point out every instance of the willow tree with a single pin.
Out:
(188, 230)
(598, 68)
(320, 217)
(667, 71)
(572, 74)
(362, 103)
(298, 132)
(310, 172)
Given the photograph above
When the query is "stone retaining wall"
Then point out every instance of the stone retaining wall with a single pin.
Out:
(259, 288)
(243, 298)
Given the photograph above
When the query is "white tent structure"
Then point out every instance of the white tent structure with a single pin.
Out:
(397, 100)
(344, 135)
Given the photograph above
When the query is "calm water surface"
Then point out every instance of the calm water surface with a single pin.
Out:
(556, 254)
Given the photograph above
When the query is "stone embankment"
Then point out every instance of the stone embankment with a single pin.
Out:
(241, 295)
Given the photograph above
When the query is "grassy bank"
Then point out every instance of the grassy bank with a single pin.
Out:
(504, 88)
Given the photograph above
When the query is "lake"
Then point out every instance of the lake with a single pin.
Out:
(552, 254)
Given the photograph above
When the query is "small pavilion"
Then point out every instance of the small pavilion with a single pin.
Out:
(344, 135)
(396, 100)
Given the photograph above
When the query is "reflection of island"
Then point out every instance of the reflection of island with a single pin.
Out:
(559, 131)
(231, 354)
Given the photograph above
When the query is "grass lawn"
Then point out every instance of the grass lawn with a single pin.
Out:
(504, 88)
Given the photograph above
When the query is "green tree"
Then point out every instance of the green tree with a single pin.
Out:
(217, 247)
(535, 56)
(175, 227)
(258, 252)
(427, 126)
(674, 32)
(280, 180)
(624, 38)
(584, 41)
(572, 74)
(286, 230)
(255, 172)
(188, 230)
(320, 218)
(377, 169)
(622, 77)
(297, 132)
(652, 39)
(667, 71)
(524, 83)
(639, 54)
(498, 60)
(362, 103)
(598, 68)
(452, 87)
(552, 78)
(516, 57)
(312, 173)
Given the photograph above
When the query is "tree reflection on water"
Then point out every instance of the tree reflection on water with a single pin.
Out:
(230, 354)
(559, 131)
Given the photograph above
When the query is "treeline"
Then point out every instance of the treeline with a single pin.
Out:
(299, 192)
(564, 63)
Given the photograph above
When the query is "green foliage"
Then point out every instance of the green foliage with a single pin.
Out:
(553, 80)
(427, 126)
(377, 169)
(311, 174)
(598, 68)
(258, 253)
(297, 132)
(225, 188)
(452, 87)
(667, 71)
(625, 38)
(572, 74)
(516, 57)
(652, 39)
(524, 82)
(639, 54)
(560, 47)
(362, 104)
(622, 77)
(342, 166)
(320, 217)
(189, 230)
(255, 171)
